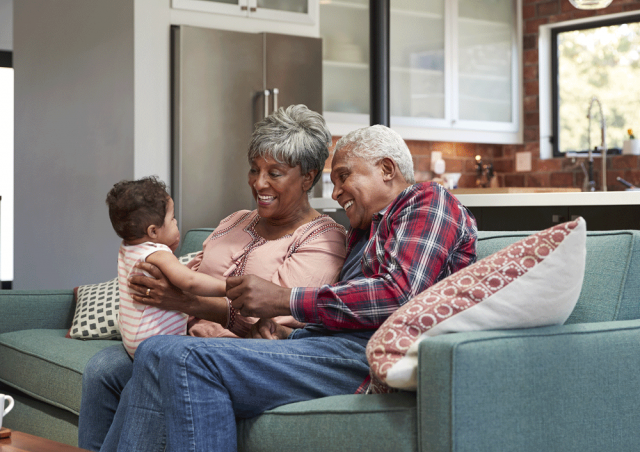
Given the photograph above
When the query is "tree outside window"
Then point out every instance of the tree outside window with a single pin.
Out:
(600, 60)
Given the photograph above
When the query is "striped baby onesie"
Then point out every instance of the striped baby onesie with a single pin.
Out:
(136, 321)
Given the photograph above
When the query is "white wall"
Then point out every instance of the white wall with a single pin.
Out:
(6, 145)
(6, 174)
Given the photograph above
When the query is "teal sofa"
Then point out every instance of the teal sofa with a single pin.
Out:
(564, 388)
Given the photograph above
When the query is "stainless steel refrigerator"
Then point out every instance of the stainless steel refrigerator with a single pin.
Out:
(223, 82)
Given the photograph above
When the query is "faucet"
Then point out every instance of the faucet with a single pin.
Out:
(484, 173)
(603, 146)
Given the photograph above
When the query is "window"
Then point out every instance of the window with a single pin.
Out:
(599, 59)
(6, 169)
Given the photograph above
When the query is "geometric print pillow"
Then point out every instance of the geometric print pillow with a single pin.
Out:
(96, 315)
(97, 306)
(533, 282)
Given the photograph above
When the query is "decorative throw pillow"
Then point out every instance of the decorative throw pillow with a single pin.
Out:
(187, 258)
(97, 306)
(533, 282)
(96, 314)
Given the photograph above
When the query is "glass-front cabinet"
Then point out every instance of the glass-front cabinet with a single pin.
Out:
(302, 11)
(454, 72)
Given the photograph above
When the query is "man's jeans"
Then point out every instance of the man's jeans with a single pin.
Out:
(188, 391)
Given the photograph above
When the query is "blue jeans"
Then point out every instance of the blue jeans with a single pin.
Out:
(187, 392)
(103, 380)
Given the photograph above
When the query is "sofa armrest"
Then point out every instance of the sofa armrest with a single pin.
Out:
(568, 388)
(35, 309)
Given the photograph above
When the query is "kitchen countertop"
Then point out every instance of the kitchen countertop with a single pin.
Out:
(526, 199)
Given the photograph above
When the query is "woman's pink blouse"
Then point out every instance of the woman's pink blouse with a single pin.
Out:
(309, 257)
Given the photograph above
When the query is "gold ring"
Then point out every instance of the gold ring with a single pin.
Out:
(148, 291)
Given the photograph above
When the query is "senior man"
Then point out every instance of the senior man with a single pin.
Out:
(404, 237)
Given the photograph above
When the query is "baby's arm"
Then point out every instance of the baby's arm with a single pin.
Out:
(185, 278)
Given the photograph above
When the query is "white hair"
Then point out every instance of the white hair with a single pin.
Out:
(377, 142)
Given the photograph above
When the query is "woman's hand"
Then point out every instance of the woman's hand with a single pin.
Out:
(268, 329)
(158, 291)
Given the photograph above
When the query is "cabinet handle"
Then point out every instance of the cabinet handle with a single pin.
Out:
(243, 8)
(253, 9)
(266, 102)
(275, 98)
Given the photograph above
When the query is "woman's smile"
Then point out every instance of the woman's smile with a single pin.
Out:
(265, 200)
(278, 190)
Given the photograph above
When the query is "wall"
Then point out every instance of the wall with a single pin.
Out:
(459, 157)
(92, 107)
(6, 24)
(74, 138)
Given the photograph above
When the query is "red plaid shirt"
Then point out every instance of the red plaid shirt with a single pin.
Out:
(423, 236)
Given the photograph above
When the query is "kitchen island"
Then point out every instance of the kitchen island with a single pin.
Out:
(603, 211)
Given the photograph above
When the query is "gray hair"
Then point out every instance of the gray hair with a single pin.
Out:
(293, 136)
(377, 142)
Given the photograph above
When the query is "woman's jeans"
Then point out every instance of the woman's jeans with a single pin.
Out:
(186, 392)
(103, 380)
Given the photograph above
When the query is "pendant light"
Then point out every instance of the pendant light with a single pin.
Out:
(590, 4)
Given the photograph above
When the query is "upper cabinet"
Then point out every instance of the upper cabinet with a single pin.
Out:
(301, 11)
(455, 68)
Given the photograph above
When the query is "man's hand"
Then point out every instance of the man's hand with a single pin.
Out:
(158, 291)
(268, 329)
(252, 296)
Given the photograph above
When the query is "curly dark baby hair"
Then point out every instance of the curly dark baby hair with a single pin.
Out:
(135, 205)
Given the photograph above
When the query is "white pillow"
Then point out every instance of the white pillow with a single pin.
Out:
(533, 282)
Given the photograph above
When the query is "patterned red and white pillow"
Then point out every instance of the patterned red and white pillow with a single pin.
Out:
(533, 282)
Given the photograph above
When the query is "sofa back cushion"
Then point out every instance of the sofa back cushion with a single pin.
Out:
(611, 287)
(193, 239)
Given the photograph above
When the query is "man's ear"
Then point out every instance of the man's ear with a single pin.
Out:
(152, 231)
(307, 179)
(389, 169)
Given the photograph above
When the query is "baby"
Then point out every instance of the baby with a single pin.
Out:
(141, 213)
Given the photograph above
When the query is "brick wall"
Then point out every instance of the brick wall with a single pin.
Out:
(460, 157)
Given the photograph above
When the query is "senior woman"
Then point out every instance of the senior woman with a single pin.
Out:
(284, 240)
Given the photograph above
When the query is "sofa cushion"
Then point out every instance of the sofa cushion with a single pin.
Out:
(193, 240)
(46, 365)
(40, 418)
(379, 422)
(533, 282)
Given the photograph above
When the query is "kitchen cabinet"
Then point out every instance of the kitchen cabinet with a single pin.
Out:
(533, 218)
(603, 211)
(302, 11)
(454, 75)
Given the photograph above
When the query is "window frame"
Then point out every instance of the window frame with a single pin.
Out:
(596, 22)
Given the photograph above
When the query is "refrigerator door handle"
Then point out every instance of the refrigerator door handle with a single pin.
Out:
(267, 93)
(275, 92)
